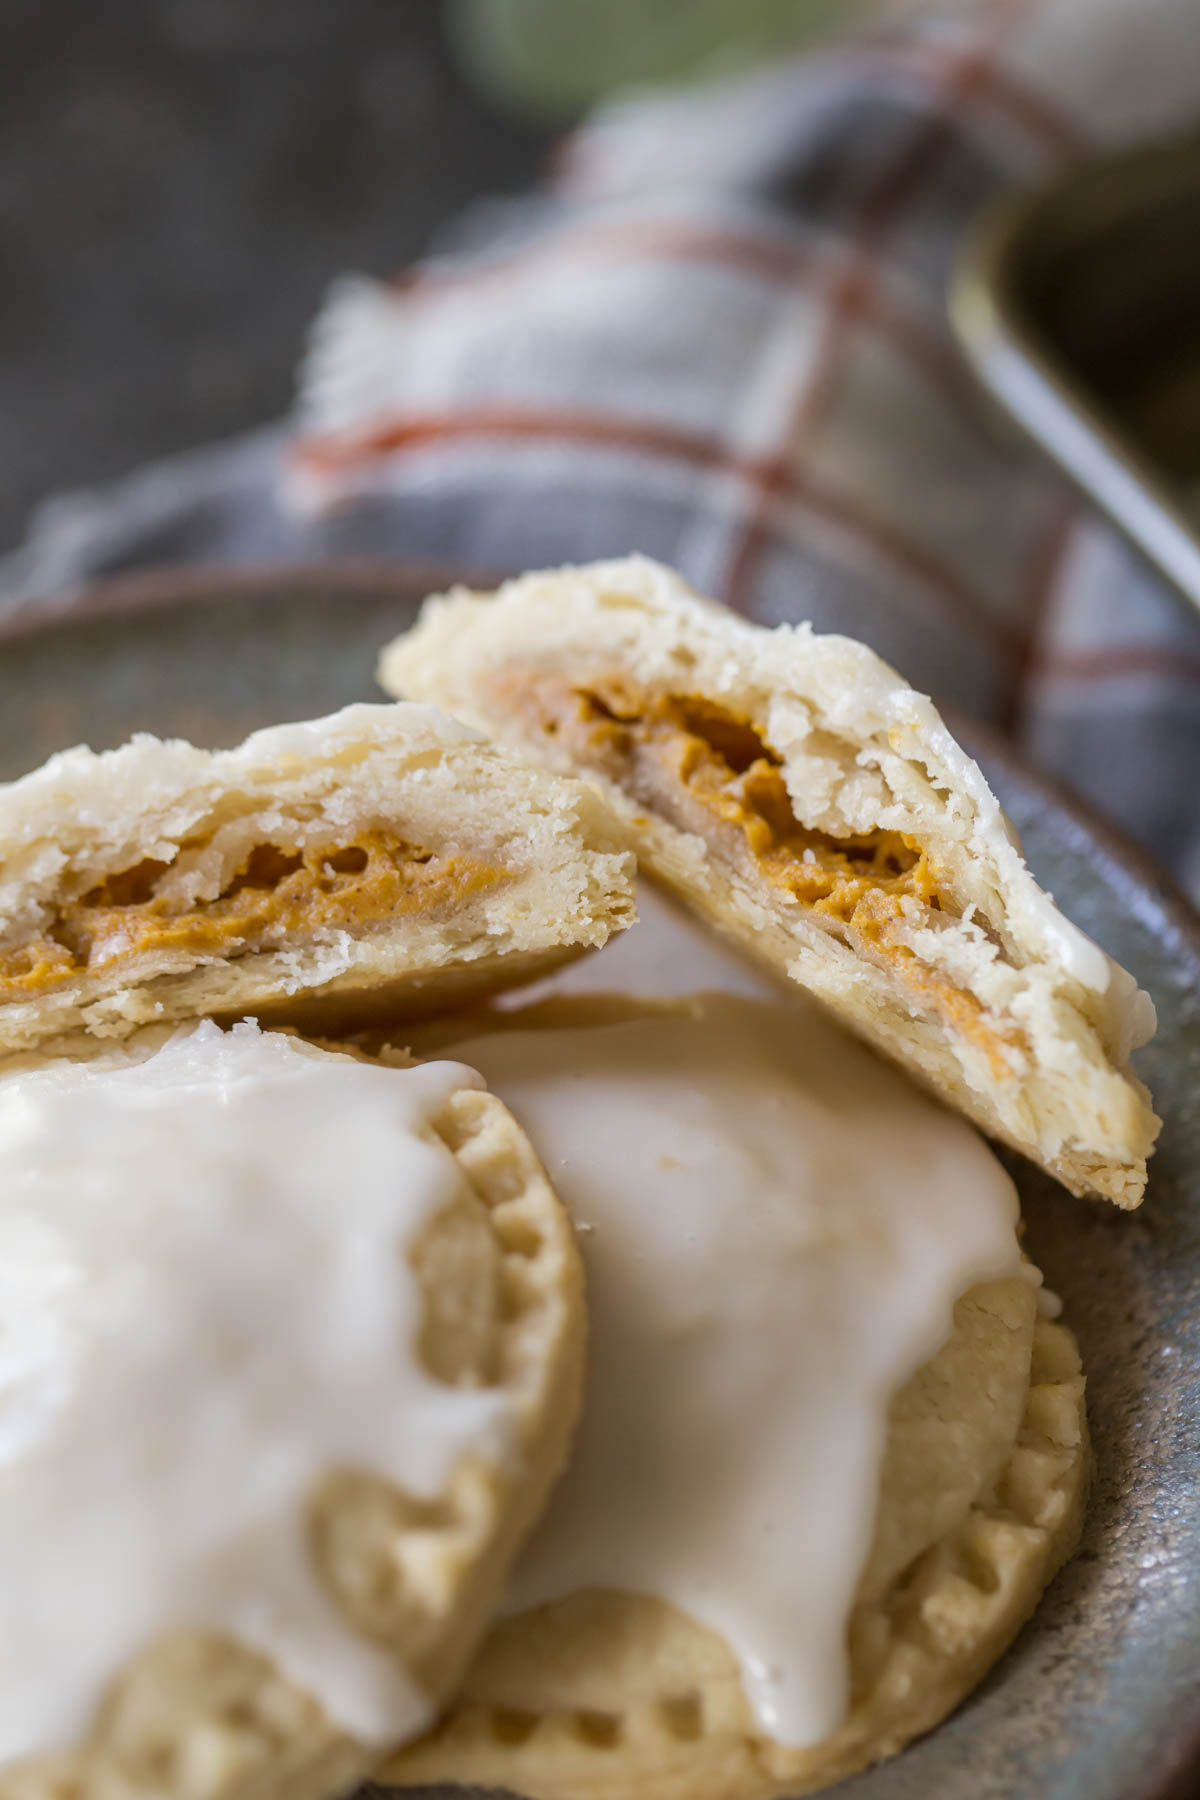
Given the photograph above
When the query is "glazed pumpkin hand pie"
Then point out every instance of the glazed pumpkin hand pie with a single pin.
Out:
(797, 793)
(293, 1349)
(832, 1447)
(380, 857)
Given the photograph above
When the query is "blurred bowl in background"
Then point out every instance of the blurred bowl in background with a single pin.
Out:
(1079, 309)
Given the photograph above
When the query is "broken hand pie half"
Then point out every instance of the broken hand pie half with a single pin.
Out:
(383, 858)
(798, 794)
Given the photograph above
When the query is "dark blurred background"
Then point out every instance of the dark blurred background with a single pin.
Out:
(180, 179)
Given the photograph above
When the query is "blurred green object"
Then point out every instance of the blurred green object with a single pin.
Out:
(556, 56)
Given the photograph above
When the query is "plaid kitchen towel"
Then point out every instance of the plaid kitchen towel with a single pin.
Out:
(719, 337)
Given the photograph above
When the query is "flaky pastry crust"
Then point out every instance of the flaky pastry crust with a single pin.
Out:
(798, 794)
(382, 859)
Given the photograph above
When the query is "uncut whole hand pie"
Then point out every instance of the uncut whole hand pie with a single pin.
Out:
(456, 1330)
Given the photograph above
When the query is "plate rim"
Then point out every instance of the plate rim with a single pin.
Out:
(160, 585)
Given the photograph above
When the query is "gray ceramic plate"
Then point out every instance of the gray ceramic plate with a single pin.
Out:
(1100, 1699)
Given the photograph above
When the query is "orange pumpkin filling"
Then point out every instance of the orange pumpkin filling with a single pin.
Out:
(706, 770)
(278, 896)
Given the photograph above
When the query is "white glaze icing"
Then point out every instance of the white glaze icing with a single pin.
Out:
(1128, 1011)
(1048, 1303)
(775, 1227)
(205, 1304)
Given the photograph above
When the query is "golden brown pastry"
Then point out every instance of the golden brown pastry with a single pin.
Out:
(795, 792)
(382, 858)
